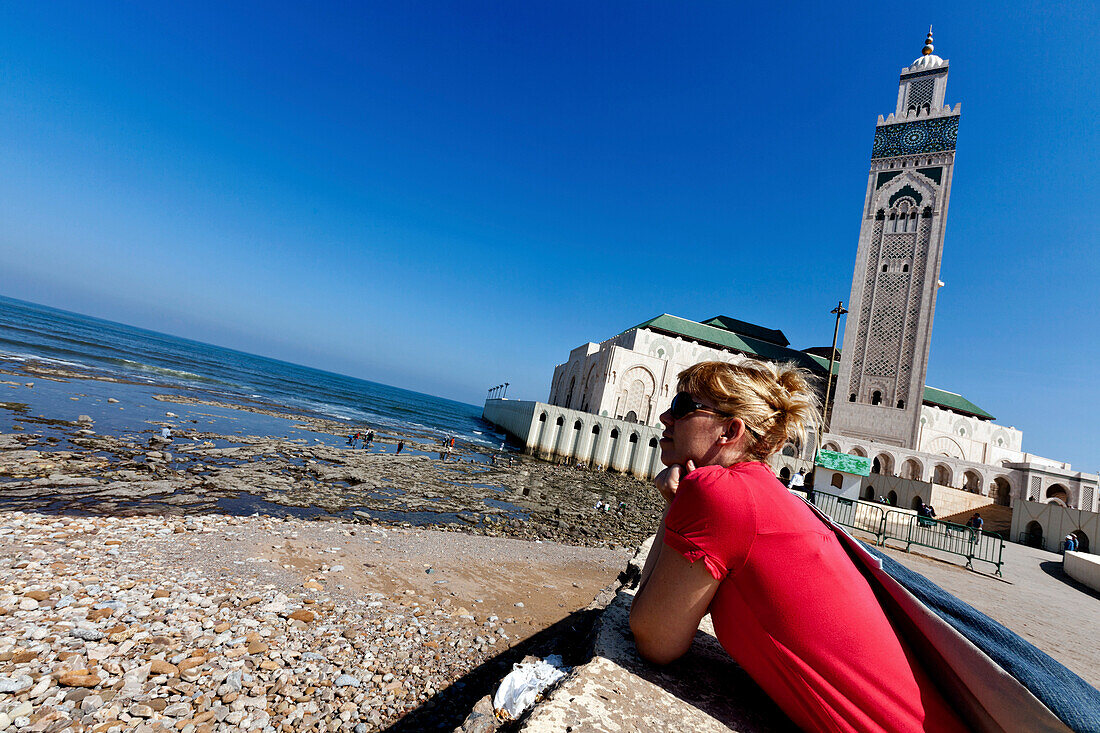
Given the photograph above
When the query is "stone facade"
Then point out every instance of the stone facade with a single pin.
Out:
(885, 354)
(553, 432)
(631, 376)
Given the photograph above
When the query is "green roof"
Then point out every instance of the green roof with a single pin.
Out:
(727, 339)
(952, 401)
(751, 330)
(932, 396)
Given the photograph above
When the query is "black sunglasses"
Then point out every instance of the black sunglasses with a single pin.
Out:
(683, 404)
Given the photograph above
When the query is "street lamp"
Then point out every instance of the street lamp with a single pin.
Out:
(838, 312)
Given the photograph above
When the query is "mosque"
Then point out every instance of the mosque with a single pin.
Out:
(605, 399)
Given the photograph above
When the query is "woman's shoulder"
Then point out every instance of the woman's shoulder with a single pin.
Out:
(718, 484)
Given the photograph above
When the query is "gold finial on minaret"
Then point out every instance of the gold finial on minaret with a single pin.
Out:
(928, 47)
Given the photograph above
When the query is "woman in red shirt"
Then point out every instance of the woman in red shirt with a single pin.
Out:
(787, 602)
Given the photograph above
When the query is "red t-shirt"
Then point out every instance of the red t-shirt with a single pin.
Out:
(794, 611)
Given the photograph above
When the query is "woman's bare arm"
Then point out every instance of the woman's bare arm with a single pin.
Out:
(669, 603)
(673, 594)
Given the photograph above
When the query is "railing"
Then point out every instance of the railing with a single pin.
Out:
(892, 524)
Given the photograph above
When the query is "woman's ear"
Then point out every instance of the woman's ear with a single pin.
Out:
(735, 430)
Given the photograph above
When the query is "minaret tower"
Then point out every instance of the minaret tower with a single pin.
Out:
(883, 363)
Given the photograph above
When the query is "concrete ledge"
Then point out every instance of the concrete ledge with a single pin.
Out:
(619, 692)
(1084, 568)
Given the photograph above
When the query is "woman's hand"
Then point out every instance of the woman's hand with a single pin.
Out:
(668, 480)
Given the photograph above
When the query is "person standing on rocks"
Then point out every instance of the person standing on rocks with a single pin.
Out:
(787, 601)
(400, 447)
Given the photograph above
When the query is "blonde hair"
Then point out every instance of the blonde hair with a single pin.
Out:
(777, 402)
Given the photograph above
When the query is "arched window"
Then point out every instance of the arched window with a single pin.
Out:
(852, 397)
(577, 425)
(901, 404)
(560, 421)
(876, 398)
(838, 481)
(595, 429)
(542, 417)
(905, 268)
(633, 437)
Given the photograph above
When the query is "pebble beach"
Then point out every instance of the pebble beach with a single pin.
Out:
(154, 623)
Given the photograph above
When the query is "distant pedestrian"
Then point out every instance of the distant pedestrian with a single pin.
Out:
(798, 481)
(400, 447)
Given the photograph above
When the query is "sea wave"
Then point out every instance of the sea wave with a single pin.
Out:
(44, 360)
(166, 371)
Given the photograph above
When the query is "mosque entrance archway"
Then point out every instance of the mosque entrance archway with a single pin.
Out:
(883, 464)
(1057, 494)
(892, 497)
(1002, 491)
(941, 475)
(595, 447)
(1034, 535)
(654, 453)
(578, 427)
(912, 469)
(972, 482)
(1082, 540)
(917, 502)
(869, 494)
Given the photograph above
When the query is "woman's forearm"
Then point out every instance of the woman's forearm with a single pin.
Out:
(654, 553)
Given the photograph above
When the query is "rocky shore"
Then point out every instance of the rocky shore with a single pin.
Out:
(241, 579)
(154, 623)
(74, 466)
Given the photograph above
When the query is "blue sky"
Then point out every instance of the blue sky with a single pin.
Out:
(445, 197)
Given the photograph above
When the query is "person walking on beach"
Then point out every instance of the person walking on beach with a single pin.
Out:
(400, 447)
(369, 439)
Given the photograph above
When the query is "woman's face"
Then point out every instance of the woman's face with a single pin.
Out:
(692, 437)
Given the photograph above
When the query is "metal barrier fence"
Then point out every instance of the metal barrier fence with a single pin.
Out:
(891, 524)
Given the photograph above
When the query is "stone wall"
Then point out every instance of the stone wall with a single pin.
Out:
(1083, 568)
(1055, 522)
(551, 432)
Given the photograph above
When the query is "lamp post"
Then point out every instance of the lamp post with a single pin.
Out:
(838, 312)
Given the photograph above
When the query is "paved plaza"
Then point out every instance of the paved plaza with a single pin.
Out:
(1023, 600)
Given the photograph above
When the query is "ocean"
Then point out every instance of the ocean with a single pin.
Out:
(98, 347)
